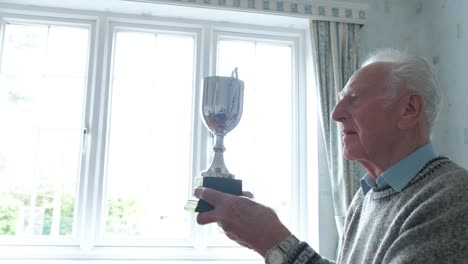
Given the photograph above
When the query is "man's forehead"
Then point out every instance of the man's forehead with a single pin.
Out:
(370, 77)
(353, 87)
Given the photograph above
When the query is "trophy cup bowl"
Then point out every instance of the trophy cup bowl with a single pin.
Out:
(221, 109)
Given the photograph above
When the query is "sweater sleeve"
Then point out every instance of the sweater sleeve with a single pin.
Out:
(304, 254)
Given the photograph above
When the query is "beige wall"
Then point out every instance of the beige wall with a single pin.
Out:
(436, 30)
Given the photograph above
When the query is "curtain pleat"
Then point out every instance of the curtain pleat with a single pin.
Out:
(335, 49)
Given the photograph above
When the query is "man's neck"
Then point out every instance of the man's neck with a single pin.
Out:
(394, 155)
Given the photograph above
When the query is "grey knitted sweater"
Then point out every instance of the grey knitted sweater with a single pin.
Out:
(427, 222)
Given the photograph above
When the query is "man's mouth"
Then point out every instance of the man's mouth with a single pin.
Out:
(349, 132)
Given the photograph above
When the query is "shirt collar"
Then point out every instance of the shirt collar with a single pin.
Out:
(400, 174)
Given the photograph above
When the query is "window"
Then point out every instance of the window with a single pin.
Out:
(264, 136)
(149, 136)
(42, 80)
(104, 138)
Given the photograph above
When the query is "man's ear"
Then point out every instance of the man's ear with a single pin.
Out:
(413, 109)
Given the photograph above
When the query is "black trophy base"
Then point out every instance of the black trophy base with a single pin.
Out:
(225, 185)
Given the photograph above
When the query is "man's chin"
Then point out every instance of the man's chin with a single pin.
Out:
(348, 155)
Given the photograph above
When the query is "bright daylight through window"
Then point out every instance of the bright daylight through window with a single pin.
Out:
(101, 135)
(254, 145)
(149, 136)
(42, 86)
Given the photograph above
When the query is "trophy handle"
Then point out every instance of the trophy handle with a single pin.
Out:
(234, 74)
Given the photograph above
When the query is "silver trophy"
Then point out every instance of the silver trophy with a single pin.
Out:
(221, 109)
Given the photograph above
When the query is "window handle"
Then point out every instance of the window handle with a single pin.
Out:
(83, 140)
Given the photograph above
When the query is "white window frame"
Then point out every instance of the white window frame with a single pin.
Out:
(68, 21)
(114, 25)
(292, 40)
(85, 243)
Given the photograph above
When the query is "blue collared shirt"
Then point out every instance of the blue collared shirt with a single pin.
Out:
(400, 174)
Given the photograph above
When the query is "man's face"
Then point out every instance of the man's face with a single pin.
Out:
(369, 128)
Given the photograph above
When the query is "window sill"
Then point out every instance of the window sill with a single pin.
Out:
(47, 261)
(124, 255)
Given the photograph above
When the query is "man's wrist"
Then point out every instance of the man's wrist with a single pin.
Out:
(277, 254)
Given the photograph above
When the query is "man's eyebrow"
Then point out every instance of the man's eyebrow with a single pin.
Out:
(341, 94)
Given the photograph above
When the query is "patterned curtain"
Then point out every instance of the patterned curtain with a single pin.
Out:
(335, 48)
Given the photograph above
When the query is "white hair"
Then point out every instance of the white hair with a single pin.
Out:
(416, 73)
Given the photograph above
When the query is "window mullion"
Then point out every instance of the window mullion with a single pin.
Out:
(205, 56)
(105, 49)
(312, 133)
(302, 139)
(2, 40)
(93, 165)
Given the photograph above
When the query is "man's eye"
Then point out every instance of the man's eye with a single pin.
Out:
(353, 98)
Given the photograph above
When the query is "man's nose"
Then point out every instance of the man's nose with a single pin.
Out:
(338, 114)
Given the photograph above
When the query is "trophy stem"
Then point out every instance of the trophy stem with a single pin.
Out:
(217, 167)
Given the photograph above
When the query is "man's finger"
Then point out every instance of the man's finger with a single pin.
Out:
(211, 196)
(206, 218)
(248, 194)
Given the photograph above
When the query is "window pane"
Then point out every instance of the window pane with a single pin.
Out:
(41, 118)
(259, 149)
(25, 49)
(150, 132)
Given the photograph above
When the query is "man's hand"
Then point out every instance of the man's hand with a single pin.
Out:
(250, 224)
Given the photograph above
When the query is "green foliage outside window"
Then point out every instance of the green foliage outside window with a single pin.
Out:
(122, 217)
(9, 214)
(66, 221)
(12, 205)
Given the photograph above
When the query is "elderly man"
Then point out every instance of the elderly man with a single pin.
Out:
(413, 204)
